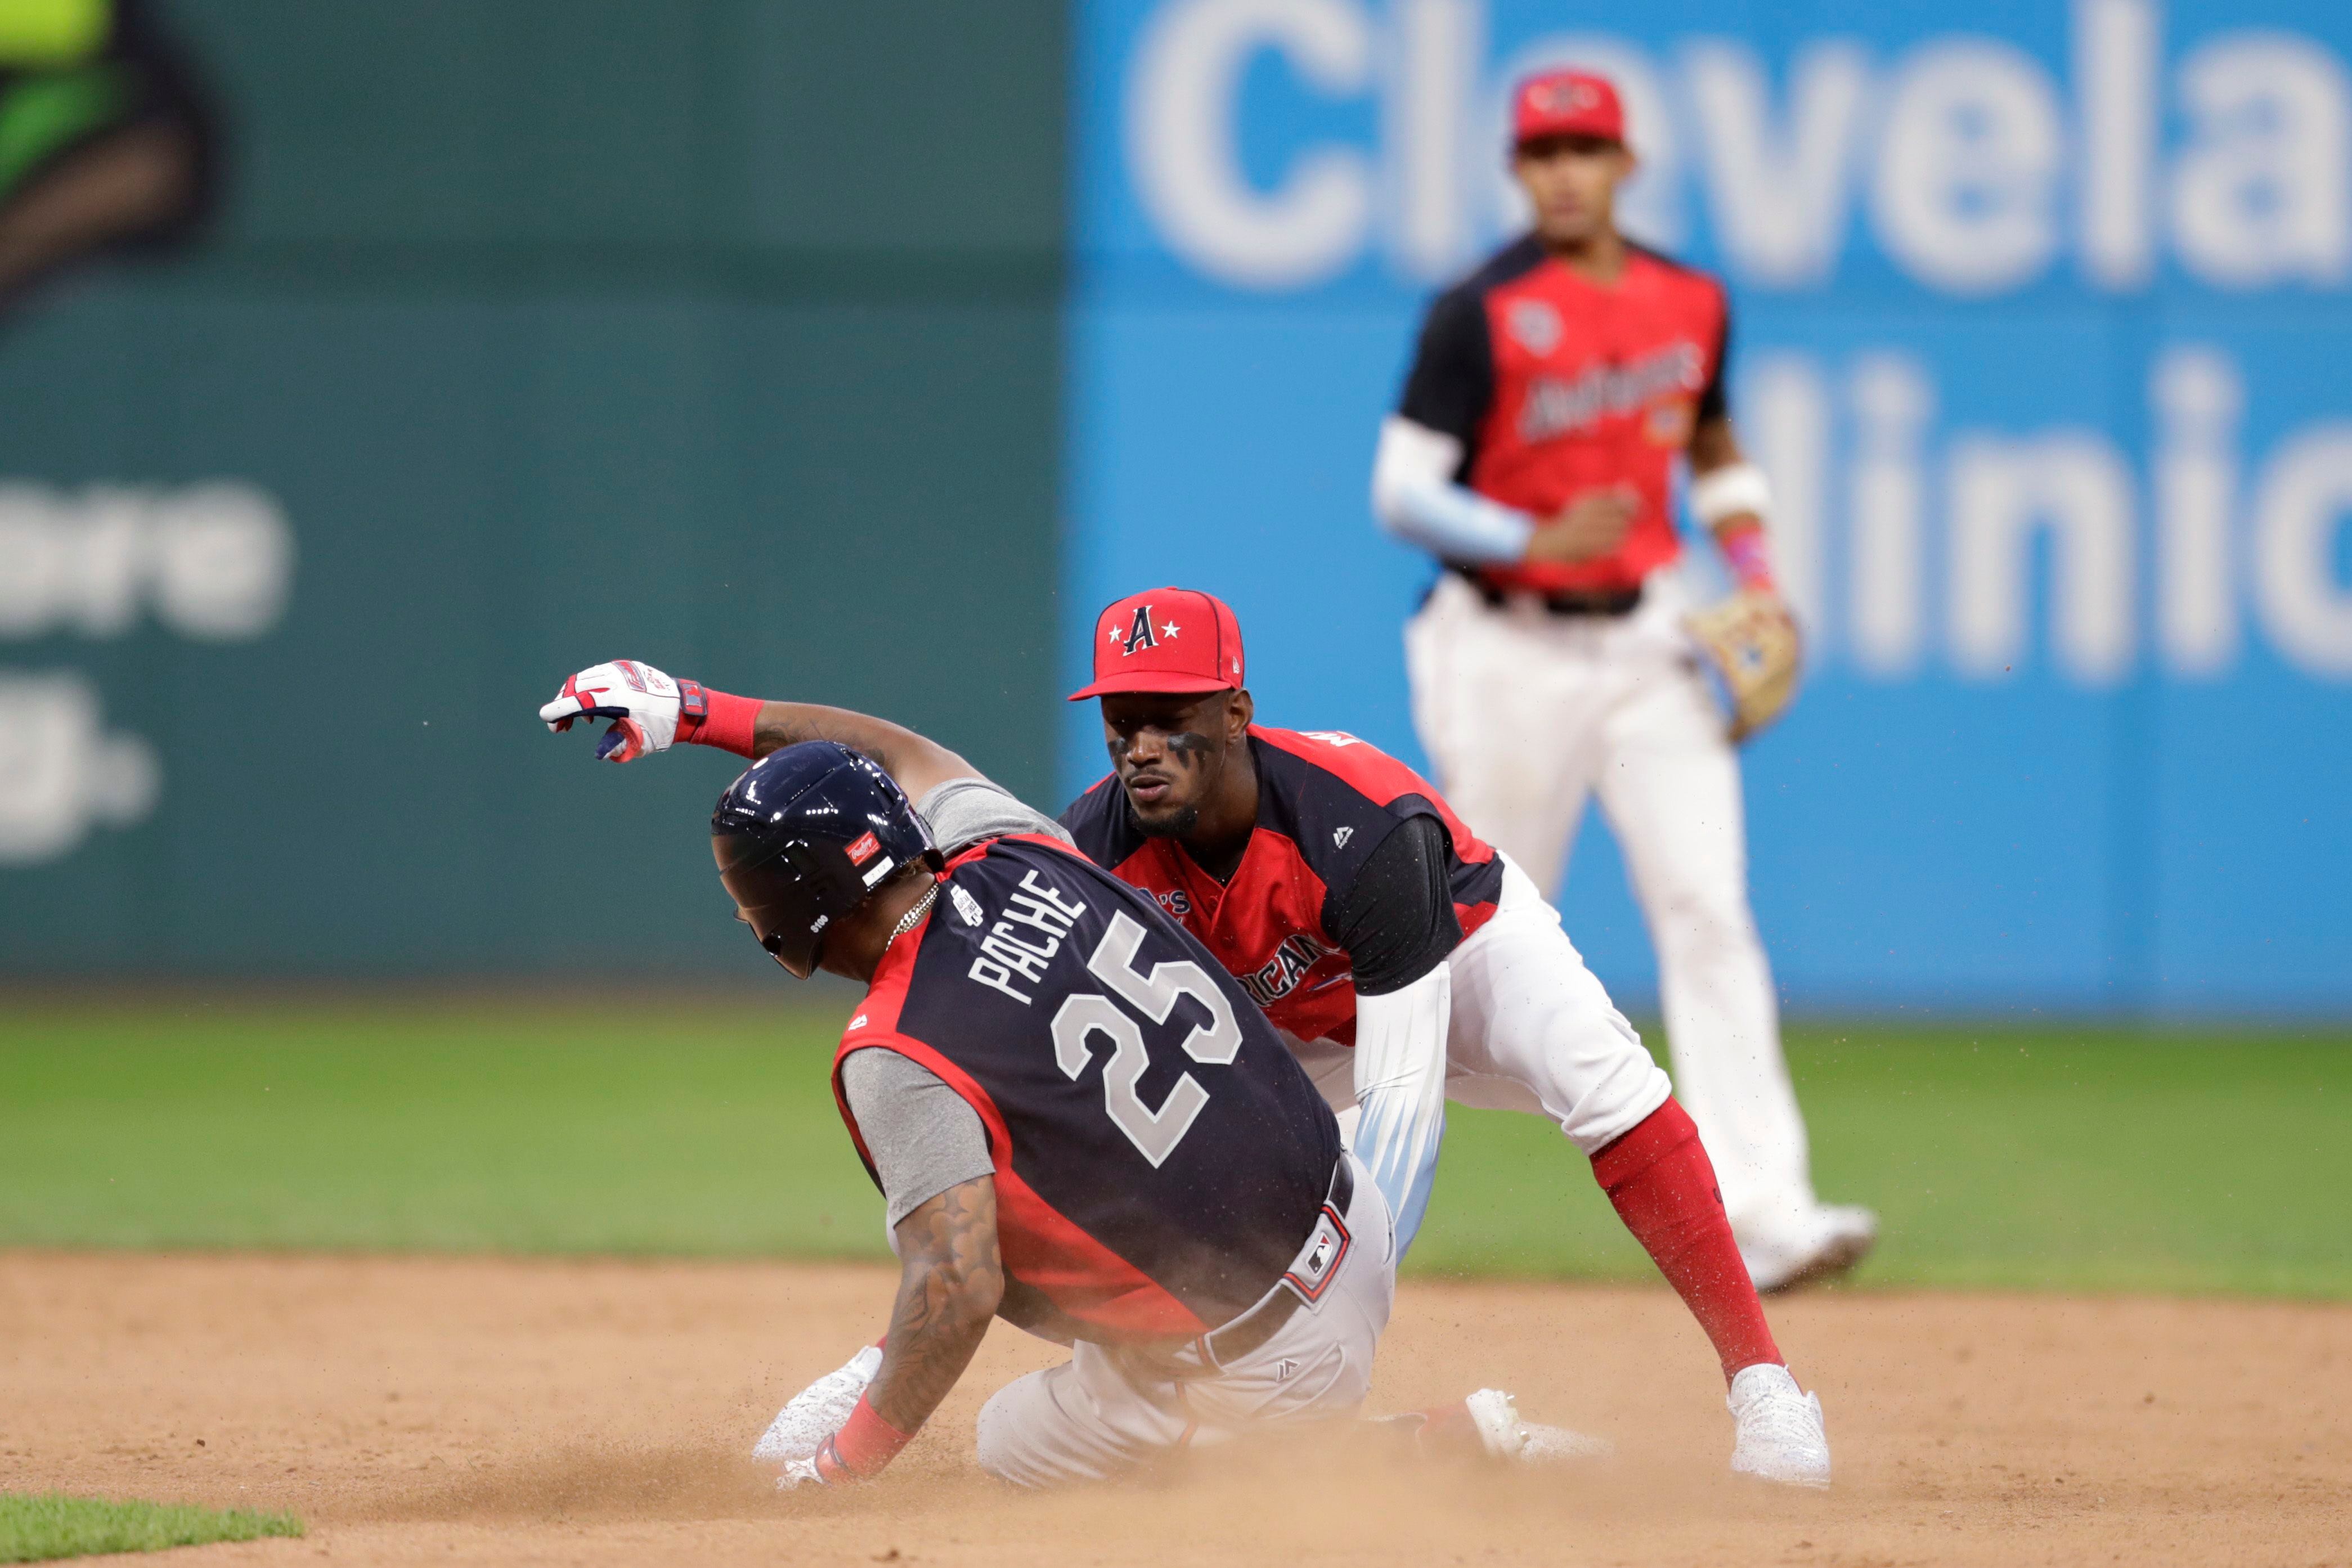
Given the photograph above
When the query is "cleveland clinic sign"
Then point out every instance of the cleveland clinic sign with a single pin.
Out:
(2000, 342)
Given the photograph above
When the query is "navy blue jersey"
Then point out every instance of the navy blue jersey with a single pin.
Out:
(1160, 1156)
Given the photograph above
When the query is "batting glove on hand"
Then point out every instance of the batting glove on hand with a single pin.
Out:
(643, 703)
(816, 1413)
(799, 1473)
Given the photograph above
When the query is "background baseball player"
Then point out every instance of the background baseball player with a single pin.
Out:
(1534, 454)
(1398, 956)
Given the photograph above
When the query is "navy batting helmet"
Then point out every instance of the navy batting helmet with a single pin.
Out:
(803, 837)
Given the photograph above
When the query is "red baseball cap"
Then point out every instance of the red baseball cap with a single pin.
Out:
(1566, 103)
(1166, 640)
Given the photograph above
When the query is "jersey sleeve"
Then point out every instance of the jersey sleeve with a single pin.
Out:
(1712, 403)
(1097, 825)
(1451, 382)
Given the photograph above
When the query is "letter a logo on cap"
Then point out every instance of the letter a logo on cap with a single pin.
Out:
(1139, 634)
(1194, 647)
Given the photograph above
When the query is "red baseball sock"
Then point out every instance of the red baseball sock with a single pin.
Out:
(1663, 1185)
(715, 718)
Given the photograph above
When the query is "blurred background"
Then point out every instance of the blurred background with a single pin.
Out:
(366, 369)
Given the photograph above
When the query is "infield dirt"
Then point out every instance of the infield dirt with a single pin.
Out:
(459, 1411)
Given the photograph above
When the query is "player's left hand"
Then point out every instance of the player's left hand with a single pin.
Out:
(642, 702)
(801, 1473)
(1751, 641)
(817, 1412)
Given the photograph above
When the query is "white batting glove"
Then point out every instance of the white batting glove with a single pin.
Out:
(801, 1473)
(815, 1413)
(642, 702)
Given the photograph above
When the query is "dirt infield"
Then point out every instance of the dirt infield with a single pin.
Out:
(455, 1411)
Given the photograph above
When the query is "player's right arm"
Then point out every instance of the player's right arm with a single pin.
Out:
(1417, 493)
(650, 711)
(951, 1282)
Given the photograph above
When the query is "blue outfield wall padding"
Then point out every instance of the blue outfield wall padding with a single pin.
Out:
(2042, 315)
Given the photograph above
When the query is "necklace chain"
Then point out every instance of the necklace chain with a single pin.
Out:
(913, 917)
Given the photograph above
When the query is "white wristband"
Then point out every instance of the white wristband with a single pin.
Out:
(1729, 493)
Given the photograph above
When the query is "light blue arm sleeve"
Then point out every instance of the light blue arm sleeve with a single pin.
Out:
(1401, 1086)
(1416, 500)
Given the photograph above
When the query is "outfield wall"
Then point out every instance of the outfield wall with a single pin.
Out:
(2042, 316)
(536, 332)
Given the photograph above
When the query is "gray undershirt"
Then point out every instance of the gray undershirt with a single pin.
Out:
(922, 1134)
(924, 1138)
(962, 812)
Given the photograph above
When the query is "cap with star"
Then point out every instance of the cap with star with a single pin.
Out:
(1166, 640)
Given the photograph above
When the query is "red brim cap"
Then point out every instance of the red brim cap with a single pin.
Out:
(1144, 681)
(1566, 103)
(1172, 640)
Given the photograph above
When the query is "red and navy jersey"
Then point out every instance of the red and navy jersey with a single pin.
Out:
(1159, 1155)
(1555, 385)
(1326, 800)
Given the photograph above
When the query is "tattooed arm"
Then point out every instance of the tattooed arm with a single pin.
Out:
(951, 1284)
(918, 764)
(650, 710)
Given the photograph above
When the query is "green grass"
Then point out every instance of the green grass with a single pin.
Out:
(46, 1525)
(2074, 1158)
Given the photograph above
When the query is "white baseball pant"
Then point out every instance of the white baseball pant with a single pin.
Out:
(1525, 714)
(1532, 1030)
(1106, 1410)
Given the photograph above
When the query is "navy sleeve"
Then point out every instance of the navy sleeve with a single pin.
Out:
(1099, 825)
(1451, 382)
(1712, 404)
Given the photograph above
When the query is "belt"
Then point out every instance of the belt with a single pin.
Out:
(1302, 1284)
(1595, 602)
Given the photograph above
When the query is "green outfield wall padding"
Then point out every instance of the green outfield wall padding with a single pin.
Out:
(532, 334)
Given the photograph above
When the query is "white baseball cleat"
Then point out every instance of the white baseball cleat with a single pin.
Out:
(1506, 1436)
(1780, 1437)
(1825, 1241)
(817, 1412)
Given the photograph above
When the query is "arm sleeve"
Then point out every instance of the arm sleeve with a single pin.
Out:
(1401, 1085)
(962, 812)
(1396, 920)
(1398, 923)
(1416, 499)
(923, 1137)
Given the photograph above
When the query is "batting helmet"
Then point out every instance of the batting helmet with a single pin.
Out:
(803, 837)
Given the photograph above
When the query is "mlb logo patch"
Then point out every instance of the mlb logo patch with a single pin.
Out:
(1326, 1244)
(865, 849)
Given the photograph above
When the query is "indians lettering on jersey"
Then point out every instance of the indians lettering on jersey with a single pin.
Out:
(1558, 386)
(1325, 801)
(1160, 1155)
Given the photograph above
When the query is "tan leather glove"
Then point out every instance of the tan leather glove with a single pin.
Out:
(1752, 643)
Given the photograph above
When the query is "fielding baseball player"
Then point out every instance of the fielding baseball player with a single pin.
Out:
(1533, 453)
(1401, 959)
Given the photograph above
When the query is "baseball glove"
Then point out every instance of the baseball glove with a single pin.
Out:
(1751, 641)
